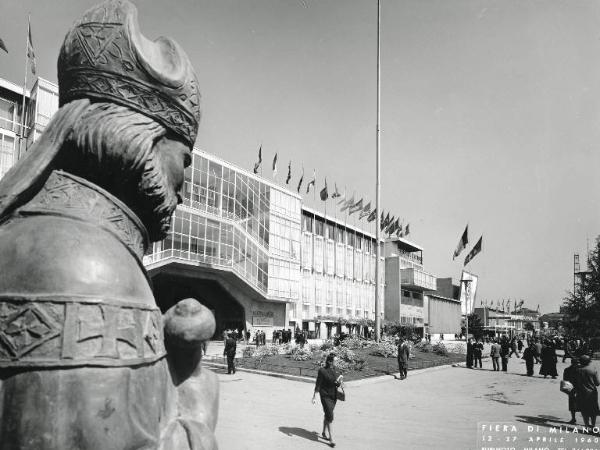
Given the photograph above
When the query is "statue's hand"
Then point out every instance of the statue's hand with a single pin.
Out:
(187, 325)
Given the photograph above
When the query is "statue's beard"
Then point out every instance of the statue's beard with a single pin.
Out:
(159, 199)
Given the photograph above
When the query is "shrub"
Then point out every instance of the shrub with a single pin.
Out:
(300, 353)
(327, 345)
(386, 347)
(248, 352)
(424, 347)
(266, 350)
(440, 349)
(354, 343)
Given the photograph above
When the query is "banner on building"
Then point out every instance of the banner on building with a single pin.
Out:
(262, 318)
(468, 289)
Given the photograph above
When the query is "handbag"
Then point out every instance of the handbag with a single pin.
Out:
(566, 387)
(340, 394)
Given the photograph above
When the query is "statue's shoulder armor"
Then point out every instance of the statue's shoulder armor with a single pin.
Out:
(73, 290)
(73, 240)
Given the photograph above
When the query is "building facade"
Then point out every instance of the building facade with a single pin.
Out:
(498, 322)
(442, 310)
(406, 283)
(250, 251)
(40, 105)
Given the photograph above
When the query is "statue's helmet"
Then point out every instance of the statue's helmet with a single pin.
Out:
(106, 58)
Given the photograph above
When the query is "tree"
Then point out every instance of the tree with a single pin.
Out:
(475, 326)
(528, 326)
(582, 305)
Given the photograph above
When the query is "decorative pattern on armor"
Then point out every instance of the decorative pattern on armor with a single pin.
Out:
(106, 57)
(49, 332)
(68, 195)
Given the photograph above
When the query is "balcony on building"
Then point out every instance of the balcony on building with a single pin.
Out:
(418, 279)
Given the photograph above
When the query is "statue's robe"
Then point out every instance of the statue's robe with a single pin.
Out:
(82, 358)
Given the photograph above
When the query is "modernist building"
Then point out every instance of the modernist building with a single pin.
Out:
(499, 323)
(40, 104)
(249, 250)
(246, 248)
(406, 283)
(442, 310)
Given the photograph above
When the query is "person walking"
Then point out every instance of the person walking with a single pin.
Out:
(537, 346)
(469, 353)
(514, 348)
(504, 354)
(229, 351)
(570, 375)
(586, 387)
(477, 353)
(529, 357)
(495, 354)
(403, 355)
(549, 360)
(326, 385)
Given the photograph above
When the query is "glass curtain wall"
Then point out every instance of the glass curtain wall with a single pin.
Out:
(232, 220)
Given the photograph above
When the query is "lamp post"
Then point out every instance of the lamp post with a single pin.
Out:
(467, 293)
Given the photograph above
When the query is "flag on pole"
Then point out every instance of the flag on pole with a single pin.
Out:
(385, 222)
(30, 52)
(462, 244)
(336, 194)
(289, 175)
(474, 251)
(347, 204)
(301, 180)
(257, 165)
(390, 225)
(311, 182)
(355, 208)
(3, 46)
(324, 194)
(400, 231)
(406, 230)
(372, 216)
(275, 165)
(366, 211)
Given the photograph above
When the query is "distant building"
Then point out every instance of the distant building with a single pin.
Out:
(504, 323)
(40, 105)
(406, 283)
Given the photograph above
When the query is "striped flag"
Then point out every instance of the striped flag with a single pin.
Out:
(462, 244)
(366, 211)
(30, 52)
(372, 216)
(356, 207)
(474, 251)
(347, 204)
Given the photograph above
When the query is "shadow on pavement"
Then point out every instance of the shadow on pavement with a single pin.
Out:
(541, 420)
(300, 432)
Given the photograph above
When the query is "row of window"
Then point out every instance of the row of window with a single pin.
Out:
(311, 312)
(336, 292)
(336, 258)
(316, 225)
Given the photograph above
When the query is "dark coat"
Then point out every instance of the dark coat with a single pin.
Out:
(403, 353)
(548, 362)
(327, 383)
(586, 382)
(230, 347)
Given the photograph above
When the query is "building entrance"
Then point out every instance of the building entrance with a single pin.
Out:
(229, 313)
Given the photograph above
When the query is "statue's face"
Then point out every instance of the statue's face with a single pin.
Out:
(174, 157)
(161, 184)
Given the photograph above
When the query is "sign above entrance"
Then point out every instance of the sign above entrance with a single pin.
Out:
(262, 318)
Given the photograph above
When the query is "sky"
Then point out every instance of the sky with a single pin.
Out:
(489, 114)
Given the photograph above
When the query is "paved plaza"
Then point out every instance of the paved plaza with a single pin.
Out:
(439, 408)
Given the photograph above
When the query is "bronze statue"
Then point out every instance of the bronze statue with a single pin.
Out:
(84, 360)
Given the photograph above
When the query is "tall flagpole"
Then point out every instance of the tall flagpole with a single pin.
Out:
(24, 86)
(377, 181)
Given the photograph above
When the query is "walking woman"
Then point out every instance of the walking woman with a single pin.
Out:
(549, 360)
(327, 383)
(570, 375)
